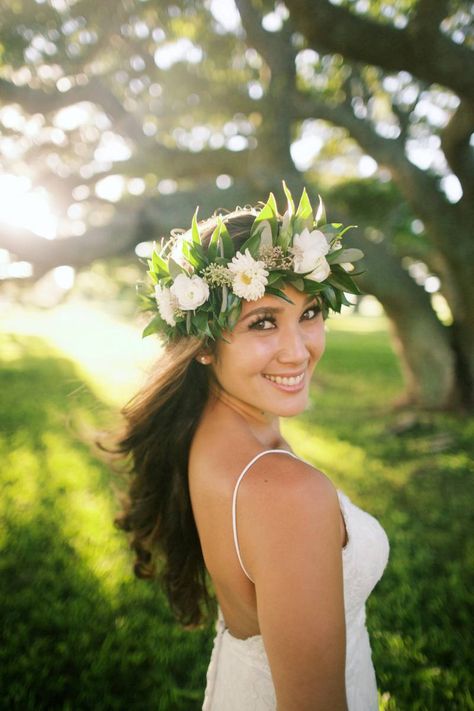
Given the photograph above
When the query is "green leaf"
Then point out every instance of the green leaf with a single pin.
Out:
(279, 293)
(252, 244)
(174, 268)
(289, 199)
(159, 264)
(153, 277)
(190, 255)
(341, 280)
(234, 314)
(312, 287)
(213, 247)
(196, 237)
(304, 214)
(268, 212)
(155, 326)
(343, 256)
(330, 296)
(273, 277)
(200, 320)
(298, 283)
(320, 218)
(226, 243)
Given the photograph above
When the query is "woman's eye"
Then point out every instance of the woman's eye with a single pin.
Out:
(263, 324)
(311, 312)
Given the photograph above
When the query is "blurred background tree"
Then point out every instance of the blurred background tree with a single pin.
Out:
(126, 115)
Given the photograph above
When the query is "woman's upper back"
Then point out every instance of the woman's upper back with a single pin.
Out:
(235, 506)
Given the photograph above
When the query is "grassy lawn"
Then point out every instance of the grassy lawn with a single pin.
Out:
(79, 632)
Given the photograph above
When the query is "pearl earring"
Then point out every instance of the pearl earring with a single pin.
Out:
(204, 359)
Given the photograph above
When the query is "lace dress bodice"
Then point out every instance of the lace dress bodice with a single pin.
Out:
(239, 677)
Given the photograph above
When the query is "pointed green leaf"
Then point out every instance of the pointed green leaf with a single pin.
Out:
(190, 255)
(252, 244)
(304, 214)
(196, 237)
(312, 287)
(298, 283)
(159, 264)
(174, 268)
(214, 241)
(341, 280)
(289, 199)
(200, 320)
(273, 277)
(268, 212)
(343, 256)
(234, 314)
(279, 293)
(155, 326)
(320, 213)
(153, 277)
(226, 243)
(330, 296)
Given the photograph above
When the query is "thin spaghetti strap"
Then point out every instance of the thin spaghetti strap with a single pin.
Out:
(234, 499)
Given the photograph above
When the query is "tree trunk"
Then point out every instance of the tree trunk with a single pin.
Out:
(422, 343)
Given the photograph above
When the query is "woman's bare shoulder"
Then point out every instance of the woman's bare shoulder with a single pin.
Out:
(281, 475)
(286, 501)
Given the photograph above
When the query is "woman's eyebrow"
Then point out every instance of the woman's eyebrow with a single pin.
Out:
(274, 309)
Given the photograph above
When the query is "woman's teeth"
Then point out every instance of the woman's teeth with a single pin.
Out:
(293, 380)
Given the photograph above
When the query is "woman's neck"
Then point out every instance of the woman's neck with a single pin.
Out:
(264, 425)
(252, 415)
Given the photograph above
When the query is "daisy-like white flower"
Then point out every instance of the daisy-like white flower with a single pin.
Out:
(249, 276)
(190, 292)
(307, 249)
(167, 304)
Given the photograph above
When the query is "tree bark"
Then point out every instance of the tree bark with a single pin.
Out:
(420, 340)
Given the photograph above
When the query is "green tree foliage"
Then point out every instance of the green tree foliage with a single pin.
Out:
(184, 103)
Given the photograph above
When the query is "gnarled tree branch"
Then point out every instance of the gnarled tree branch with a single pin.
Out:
(417, 49)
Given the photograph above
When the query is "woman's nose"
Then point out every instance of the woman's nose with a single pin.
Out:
(293, 347)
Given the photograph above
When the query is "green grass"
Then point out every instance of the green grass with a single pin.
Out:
(79, 632)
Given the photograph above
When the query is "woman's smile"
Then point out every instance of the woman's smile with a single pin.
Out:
(287, 383)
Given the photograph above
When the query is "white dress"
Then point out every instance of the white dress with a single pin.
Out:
(238, 676)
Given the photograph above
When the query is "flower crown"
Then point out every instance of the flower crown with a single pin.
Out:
(197, 290)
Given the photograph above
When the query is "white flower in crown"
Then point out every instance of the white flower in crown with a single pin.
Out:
(321, 271)
(249, 276)
(308, 249)
(167, 304)
(190, 292)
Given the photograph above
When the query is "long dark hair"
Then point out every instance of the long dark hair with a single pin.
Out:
(160, 422)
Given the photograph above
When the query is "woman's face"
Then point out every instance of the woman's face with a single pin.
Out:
(272, 352)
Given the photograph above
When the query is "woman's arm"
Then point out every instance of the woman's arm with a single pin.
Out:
(289, 533)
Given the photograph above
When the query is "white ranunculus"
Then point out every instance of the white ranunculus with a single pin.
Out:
(321, 271)
(307, 249)
(249, 276)
(167, 304)
(190, 292)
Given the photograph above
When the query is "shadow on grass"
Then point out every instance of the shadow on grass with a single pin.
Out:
(78, 631)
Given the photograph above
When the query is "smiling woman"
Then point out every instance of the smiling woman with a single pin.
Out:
(240, 301)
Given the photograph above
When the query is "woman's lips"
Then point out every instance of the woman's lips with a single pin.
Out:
(288, 383)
